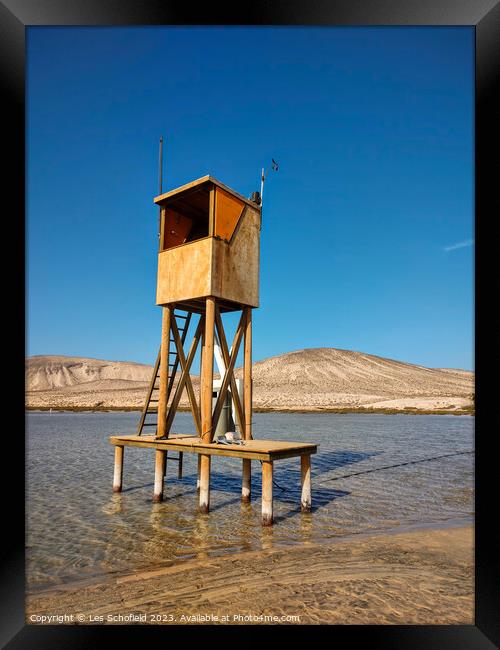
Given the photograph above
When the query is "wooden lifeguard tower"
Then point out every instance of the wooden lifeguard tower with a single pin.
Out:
(208, 265)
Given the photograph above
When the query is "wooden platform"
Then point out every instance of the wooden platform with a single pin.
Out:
(265, 451)
(268, 450)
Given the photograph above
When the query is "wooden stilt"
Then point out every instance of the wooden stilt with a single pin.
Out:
(118, 472)
(247, 374)
(181, 458)
(204, 483)
(159, 469)
(246, 488)
(305, 473)
(207, 376)
(199, 470)
(247, 401)
(164, 356)
(267, 493)
(165, 463)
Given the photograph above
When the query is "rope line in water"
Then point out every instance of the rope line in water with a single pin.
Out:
(409, 462)
(379, 469)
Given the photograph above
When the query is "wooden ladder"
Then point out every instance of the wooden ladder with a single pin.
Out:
(173, 366)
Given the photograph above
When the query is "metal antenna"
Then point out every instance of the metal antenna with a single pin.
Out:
(160, 166)
(274, 167)
(160, 182)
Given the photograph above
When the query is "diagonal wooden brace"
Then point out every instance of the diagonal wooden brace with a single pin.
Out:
(185, 379)
(227, 375)
(225, 353)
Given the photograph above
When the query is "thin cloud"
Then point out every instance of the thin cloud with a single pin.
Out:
(461, 244)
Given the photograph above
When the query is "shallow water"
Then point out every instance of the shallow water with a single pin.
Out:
(371, 473)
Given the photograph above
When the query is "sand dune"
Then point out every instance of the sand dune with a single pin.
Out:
(311, 379)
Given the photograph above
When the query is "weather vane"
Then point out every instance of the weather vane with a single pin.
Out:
(274, 167)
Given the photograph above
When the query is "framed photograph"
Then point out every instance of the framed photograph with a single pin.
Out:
(250, 339)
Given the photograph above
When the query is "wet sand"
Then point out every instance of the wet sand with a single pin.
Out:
(414, 577)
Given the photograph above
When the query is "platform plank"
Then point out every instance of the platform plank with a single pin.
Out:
(267, 450)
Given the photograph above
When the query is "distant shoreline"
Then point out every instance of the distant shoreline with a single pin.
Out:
(339, 411)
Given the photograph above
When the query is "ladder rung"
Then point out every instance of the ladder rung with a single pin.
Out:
(179, 316)
(150, 424)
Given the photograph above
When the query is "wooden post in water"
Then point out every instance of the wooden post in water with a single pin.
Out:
(181, 459)
(246, 488)
(204, 483)
(118, 472)
(305, 476)
(165, 349)
(267, 493)
(207, 382)
(159, 469)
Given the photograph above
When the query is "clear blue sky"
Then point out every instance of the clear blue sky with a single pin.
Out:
(368, 228)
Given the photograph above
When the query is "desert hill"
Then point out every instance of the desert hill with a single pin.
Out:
(310, 379)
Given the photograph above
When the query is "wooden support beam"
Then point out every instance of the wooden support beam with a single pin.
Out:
(181, 459)
(240, 416)
(118, 470)
(246, 487)
(162, 431)
(305, 475)
(267, 493)
(227, 375)
(185, 379)
(204, 483)
(159, 470)
(165, 464)
(211, 212)
(199, 471)
(247, 373)
(207, 375)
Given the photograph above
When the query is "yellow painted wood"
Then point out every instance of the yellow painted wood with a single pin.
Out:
(185, 272)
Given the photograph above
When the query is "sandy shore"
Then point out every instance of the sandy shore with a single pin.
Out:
(415, 577)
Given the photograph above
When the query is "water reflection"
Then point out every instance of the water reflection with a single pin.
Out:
(371, 472)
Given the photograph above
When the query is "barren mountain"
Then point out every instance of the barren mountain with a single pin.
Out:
(46, 372)
(311, 379)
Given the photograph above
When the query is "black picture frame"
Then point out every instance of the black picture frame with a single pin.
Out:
(484, 16)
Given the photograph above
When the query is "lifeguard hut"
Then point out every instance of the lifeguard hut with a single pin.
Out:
(208, 265)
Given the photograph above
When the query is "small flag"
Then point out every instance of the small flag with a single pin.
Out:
(275, 165)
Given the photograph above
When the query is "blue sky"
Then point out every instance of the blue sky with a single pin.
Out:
(368, 226)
